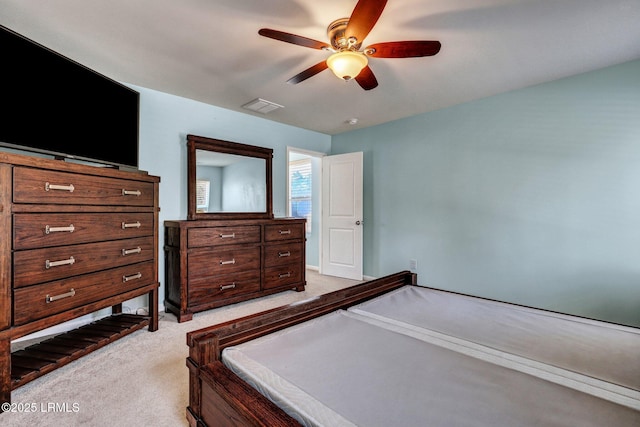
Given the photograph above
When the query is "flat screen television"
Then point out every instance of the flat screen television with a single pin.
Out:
(51, 104)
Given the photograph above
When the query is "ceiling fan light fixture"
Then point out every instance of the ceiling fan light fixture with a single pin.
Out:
(347, 64)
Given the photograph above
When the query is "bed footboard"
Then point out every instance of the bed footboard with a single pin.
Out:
(219, 397)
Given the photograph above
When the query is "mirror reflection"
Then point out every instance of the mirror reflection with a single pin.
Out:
(229, 183)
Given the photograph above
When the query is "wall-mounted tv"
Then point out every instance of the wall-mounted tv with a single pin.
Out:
(54, 105)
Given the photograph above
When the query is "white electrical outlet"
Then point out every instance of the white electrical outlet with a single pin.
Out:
(413, 264)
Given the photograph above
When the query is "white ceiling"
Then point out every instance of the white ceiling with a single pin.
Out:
(210, 50)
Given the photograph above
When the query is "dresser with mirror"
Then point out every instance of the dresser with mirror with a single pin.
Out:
(230, 248)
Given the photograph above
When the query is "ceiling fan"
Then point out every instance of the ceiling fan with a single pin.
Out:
(346, 36)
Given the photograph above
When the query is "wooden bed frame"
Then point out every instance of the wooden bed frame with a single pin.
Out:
(218, 397)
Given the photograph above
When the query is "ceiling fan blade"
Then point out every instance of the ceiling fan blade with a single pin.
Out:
(309, 72)
(292, 38)
(363, 18)
(407, 49)
(366, 79)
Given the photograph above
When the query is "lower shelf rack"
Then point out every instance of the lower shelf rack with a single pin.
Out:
(46, 356)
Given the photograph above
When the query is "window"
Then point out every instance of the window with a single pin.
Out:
(202, 195)
(300, 190)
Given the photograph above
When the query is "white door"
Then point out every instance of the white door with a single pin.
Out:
(342, 216)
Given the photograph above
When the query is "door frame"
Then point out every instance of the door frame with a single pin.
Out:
(319, 155)
(318, 199)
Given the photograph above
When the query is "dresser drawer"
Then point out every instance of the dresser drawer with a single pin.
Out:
(46, 230)
(35, 302)
(64, 188)
(283, 231)
(203, 263)
(282, 275)
(214, 236)
(44, 265)
(205, 290)
(280, 254)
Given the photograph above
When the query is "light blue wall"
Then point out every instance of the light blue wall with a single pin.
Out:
(532, 196)
(165, 120)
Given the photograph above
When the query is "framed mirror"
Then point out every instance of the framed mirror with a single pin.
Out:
(228, 180)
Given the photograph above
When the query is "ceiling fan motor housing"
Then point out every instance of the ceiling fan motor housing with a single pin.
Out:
(335, 32)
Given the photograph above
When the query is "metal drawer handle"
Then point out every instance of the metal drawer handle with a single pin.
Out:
(228, 236)
(225, 287)
(282, 276)
(284, 231)
(126, 252)
(68, 188)
(125, 279)
(48, 229)
(48, 264)
(131, 225)
(284, 254)
(233, 261)
(69, 294)
(131, 192)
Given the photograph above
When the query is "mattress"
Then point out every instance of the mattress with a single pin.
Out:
(604, 355)
(346, 369)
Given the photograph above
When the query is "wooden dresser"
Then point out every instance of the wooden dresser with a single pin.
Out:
(75, 239)
(211, 263)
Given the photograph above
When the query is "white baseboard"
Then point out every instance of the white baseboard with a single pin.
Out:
(316, 268)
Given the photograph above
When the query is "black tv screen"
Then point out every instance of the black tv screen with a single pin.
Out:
(52, 104)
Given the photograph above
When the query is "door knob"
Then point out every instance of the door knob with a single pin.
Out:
(359, 222)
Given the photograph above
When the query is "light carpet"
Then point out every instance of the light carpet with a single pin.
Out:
(141, 379)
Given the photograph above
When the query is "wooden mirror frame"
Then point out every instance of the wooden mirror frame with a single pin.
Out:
(209, 144)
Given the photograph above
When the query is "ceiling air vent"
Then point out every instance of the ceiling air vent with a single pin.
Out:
(263, 106)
